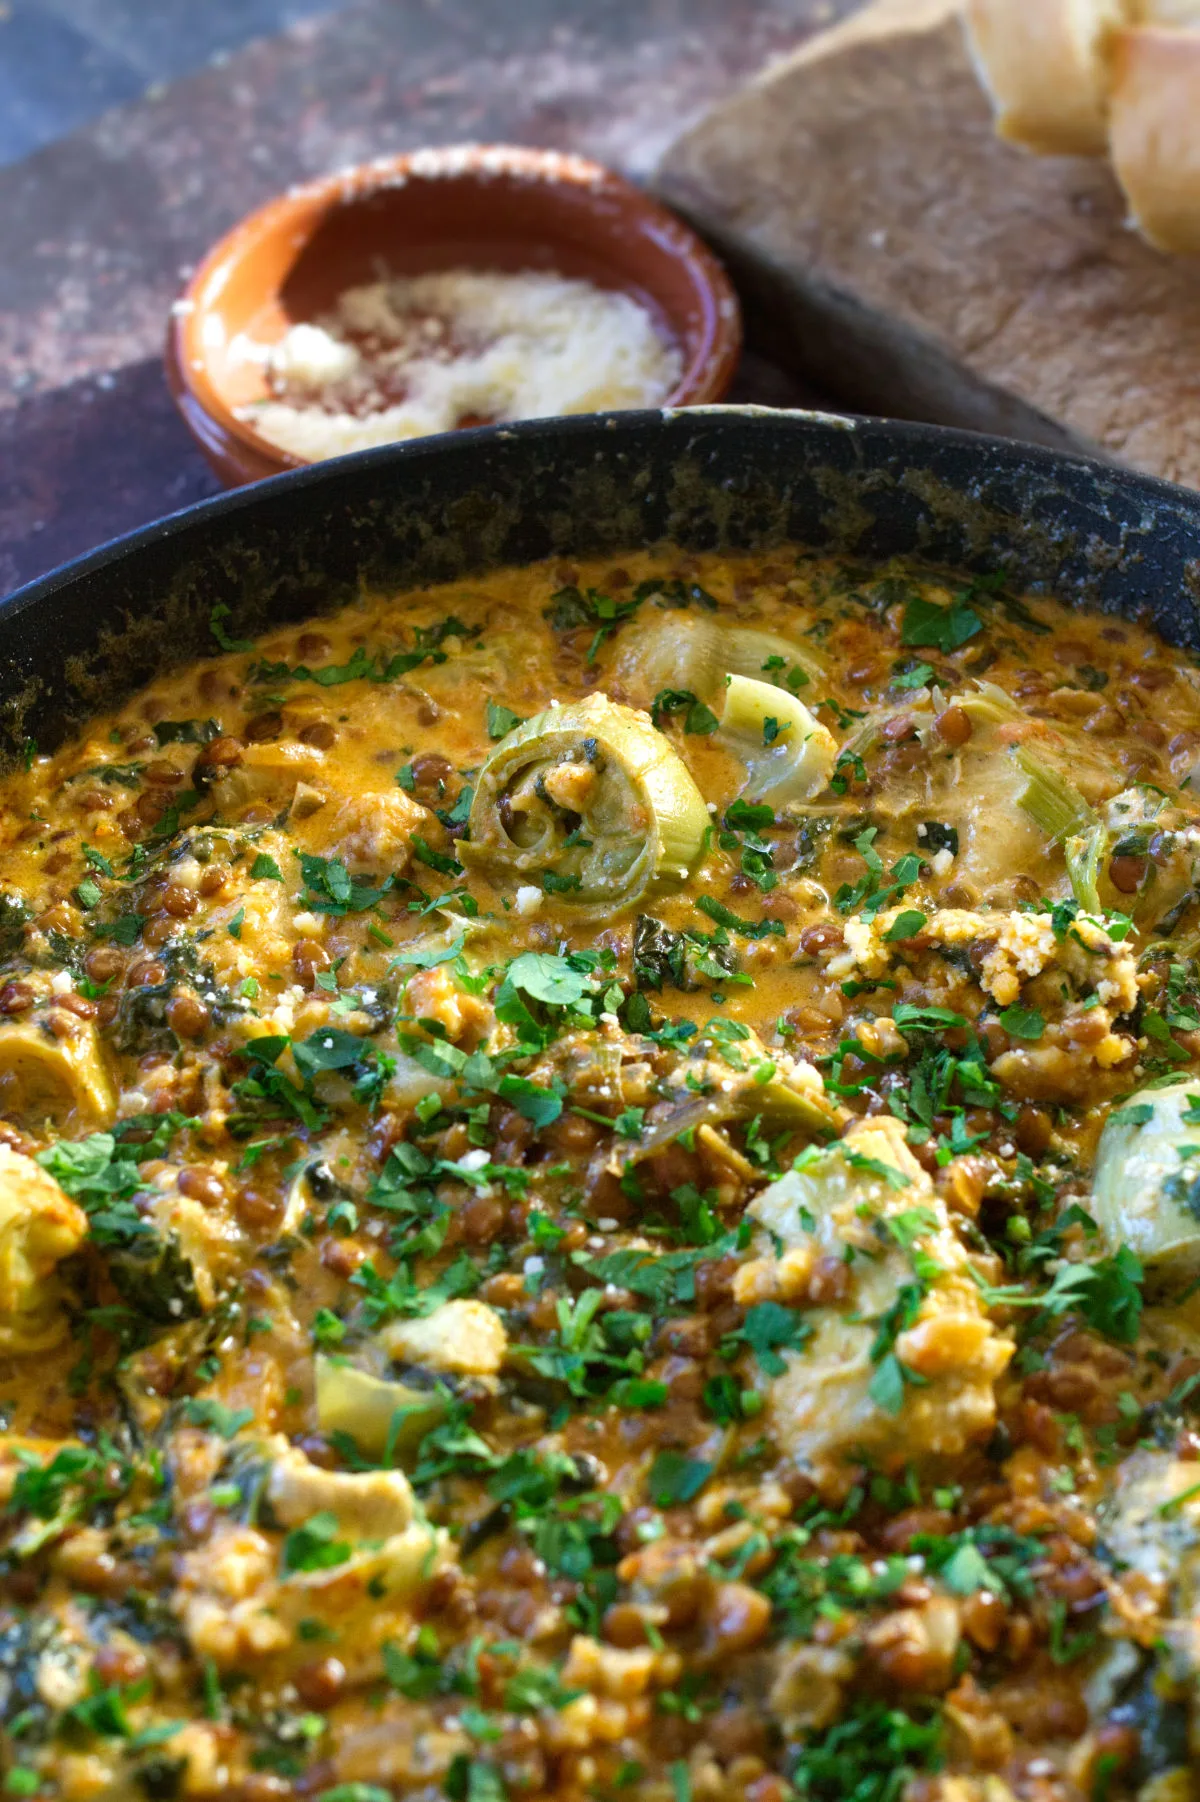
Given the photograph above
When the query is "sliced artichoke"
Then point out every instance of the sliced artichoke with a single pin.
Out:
(1151, 1524)
(789, 755)
(686, 651)
(1051, 802)
(1147, 1185)
(372, 1410)
(1084, 852)
(838, 1397)
(591, 803)
(792, 1100)
(46, 1078)
(39, 1227)
(767, 657)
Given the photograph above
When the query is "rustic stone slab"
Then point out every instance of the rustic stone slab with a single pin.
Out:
(900, 254)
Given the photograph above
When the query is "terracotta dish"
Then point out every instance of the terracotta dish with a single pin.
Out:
(480, 206)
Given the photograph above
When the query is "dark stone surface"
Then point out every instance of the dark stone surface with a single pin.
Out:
(100, 229)
(53, 77)
(64, 61)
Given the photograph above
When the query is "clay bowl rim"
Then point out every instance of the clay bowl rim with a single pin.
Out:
(239, 453)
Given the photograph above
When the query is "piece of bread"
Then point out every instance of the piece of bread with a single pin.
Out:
(1154, 132)
(1165, 12)
(1045, 64)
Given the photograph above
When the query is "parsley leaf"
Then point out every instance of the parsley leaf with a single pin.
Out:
(1023, 1022)
(330, 888)
(315, 1545)
(871, 892)
(675, 1478)
(500, 720)
(768, 1329)
(906, 925)
(1138, 1115)
(572, 607)
(434, 860)
(918, 677)
(871, 1754)
(544, 977)
(698, 718)
(533, 1101)
(186, 732)
(944, 628)
(201, 1411)
(749, 929)
(216, 625)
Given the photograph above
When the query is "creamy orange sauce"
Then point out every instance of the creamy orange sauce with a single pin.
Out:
(555, 1238)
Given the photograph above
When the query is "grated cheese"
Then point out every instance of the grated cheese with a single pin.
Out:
(408, 356)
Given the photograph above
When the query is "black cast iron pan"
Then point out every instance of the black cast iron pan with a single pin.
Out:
(708, 478)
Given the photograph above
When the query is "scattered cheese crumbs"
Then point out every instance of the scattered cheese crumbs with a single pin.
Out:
(401, 358)
(310, 357)
(529, 899)
(62, 982)
(474, 1160)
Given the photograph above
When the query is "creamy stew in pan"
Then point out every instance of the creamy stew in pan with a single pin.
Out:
(600, 1198)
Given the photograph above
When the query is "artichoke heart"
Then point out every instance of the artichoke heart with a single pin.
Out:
(1147, 1183)
(373, 1411)
(590, 802)
(39, 1227)
(789, 755)
(47, 1078)
(686, 651)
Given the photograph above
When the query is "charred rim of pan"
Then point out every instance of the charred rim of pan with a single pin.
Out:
(705, 479)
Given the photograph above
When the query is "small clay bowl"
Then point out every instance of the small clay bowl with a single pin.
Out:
(477, 206)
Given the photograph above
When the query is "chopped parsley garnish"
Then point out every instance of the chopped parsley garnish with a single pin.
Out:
(330, 888)
(1105, 1292)
(698, 718)
(748, 929)
(918, 675)
(769, 1329)
(1023, 1022)
(943, 628)
(572, 607)
(186, 732)
(500, 720)
(675, 1478)
(906, 925)
(984, 1557)
(364, 665)
(216, 625)
(871, 1754)
(315, 1545)
(434, 860)
(200, 1411)
(873, 892)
